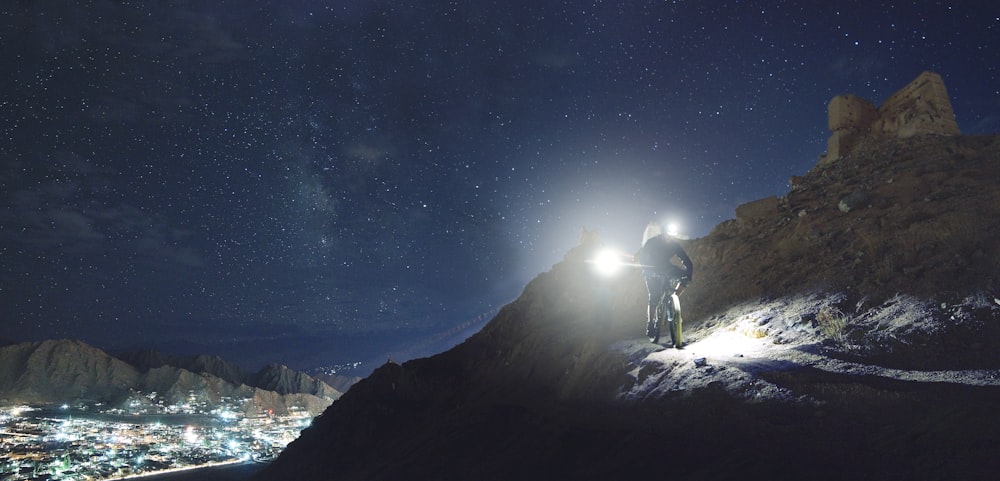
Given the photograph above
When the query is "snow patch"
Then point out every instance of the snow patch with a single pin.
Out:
(739, 350)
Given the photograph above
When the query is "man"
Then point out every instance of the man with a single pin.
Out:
(662, 273)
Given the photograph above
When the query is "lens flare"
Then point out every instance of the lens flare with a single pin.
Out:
(608, 262)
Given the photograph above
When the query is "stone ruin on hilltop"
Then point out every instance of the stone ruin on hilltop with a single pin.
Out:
(901, 202)
(921, 107)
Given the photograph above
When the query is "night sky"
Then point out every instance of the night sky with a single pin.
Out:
(342, 177)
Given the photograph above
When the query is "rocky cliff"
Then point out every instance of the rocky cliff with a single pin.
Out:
(848, 329)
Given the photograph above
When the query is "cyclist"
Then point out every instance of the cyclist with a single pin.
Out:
(662, 273)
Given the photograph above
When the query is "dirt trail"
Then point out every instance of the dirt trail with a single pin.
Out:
(771, 350)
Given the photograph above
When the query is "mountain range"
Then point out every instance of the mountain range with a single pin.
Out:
(68, 371)
(849, 329)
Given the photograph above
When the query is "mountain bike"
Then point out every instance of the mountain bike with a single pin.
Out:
(668, 311)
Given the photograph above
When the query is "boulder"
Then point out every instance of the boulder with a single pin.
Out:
(852, 201)
(751, 211)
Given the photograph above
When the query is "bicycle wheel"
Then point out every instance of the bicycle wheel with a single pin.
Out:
(658, 317)
(673, 308)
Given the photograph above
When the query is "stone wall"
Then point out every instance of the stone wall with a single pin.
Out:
(850, 118)
(921, 107)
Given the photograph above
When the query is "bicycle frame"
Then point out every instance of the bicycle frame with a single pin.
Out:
(668, 311)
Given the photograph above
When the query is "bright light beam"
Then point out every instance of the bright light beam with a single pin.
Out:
(609, 261)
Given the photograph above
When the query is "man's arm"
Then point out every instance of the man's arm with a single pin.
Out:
(688, 266)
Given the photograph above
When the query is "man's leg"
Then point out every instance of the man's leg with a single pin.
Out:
(655, 287)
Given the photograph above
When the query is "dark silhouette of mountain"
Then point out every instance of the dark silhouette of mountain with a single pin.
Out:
(144, 360)
(277, 378)
(340, 382)
(847, 330)
(215, 366)
(282, 380)
(147, 359)
(59, 371)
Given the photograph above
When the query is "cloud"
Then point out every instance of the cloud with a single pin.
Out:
(74, 225)
(556, 59)
(989, 124)
(204, 40)
(142, 69)
(374, 154)
(851, 67)
(170, 255)
(65, 206)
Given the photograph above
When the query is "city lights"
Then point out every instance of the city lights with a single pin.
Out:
(63, 443)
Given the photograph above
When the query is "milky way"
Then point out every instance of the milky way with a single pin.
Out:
(299, 175)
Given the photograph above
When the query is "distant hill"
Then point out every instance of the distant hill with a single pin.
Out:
(275, 377)
(339, 382)
(283, 380)
(67, 371)
(145, 360)
(57, 371)
(847, 330)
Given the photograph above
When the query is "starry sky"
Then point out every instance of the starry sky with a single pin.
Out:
(264, 179)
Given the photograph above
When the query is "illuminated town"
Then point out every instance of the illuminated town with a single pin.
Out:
(88, 443)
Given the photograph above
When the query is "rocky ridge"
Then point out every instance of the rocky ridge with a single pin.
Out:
(274, 377)
(848, 329)
(67, 371)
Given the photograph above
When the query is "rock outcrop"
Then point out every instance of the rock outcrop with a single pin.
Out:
(914, 215)
(920, 108)
(747, 213)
